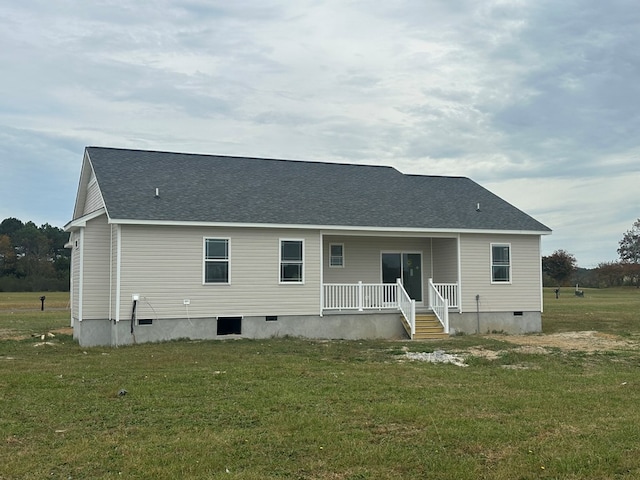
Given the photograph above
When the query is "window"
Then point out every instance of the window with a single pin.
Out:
(216, 260)
(291, 261)
(336, 255)
(500, 263)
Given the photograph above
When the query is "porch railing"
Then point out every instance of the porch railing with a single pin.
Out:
(439, 305)
(382, 296)
(360, 296)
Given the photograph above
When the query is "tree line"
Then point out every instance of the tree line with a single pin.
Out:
(560, 268)
(33, 258)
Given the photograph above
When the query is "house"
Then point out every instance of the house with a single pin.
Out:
(172, 245)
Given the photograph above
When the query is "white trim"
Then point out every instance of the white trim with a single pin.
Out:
(81, 274)
(459, 276)
(204, 260)
(500, 244)
(280, 240)
(118, 270)
(451, 232)
(408, 252)
(69, 245)
(81, 185)
(541, 289)
(111, 227)
(82, 221)
(322, 273)
(341, 245)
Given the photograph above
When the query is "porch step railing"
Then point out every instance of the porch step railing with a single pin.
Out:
(439, 305)
(448, 291)
(407, 306)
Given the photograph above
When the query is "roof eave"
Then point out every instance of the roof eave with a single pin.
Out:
(363, 228)
(74, 225)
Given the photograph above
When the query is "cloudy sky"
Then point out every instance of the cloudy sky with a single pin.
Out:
(537, 100)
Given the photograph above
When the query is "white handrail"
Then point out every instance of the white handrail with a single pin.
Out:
(359, 296)
(407, 306)
(439, 305)
(448, 291)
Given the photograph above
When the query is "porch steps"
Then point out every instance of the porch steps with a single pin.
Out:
(428, 327)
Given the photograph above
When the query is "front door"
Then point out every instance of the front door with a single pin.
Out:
(408, 267)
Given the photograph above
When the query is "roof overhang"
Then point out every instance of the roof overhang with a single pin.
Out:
(324, 228)
(82, 221)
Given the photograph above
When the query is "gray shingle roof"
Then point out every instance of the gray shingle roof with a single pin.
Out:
(212, 188)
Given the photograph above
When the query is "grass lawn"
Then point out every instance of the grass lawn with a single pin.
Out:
(300, 409)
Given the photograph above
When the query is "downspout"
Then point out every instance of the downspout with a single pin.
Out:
(133, 316)
(478, 312)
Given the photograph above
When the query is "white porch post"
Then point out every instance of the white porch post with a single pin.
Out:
(360, 302)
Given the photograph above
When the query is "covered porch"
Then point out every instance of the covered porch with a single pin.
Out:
(363, 297)
(414, 275)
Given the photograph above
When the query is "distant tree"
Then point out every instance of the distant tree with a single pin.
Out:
(610, 274)
(7, 256)
(629, 249)
(10, 226)
(57, 239)
(32, 257)
(559, 266)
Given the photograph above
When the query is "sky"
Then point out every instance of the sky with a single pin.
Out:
(536, 100)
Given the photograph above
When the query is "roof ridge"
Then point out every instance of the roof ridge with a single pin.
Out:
(214, 155)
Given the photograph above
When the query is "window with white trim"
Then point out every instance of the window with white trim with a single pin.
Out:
(216, 260)
(291, 261)
(336, 255)
(500, 263)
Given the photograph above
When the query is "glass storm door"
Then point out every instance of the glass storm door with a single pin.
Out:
(408, 267)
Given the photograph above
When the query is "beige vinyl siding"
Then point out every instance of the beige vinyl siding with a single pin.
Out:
(521, 294)
(93, 200)
(75, 273)
(95, 282)
(362, 257)
(445, 260)
(164, 265)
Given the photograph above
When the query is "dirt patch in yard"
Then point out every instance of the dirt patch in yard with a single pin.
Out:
(8, 334)
(586, 341)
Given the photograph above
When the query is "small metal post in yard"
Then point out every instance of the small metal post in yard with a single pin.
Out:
(42, 298)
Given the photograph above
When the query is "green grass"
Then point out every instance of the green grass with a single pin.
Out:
(610, 310)
(298, 409)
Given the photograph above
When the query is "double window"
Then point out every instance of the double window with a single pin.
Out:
(216, 260)
(500, 263)
(291, 261)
